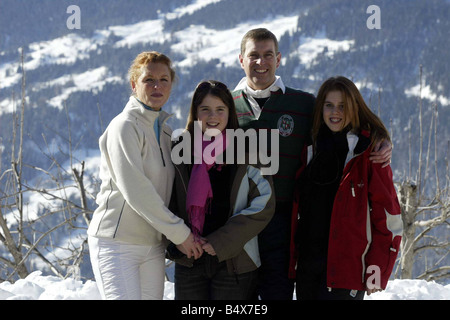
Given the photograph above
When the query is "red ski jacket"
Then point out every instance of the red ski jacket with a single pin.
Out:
(366, 225)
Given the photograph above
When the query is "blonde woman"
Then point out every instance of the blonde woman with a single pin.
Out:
(132, 218)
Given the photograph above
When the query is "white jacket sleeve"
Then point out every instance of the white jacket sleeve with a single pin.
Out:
(124, 159)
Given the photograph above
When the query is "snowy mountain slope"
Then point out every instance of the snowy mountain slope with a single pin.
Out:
(194, 43)
(84, 71)
(56, 69)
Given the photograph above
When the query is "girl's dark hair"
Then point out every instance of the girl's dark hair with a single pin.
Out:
(219, 90)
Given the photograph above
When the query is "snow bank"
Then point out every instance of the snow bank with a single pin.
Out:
(39, 287)
(412, 290)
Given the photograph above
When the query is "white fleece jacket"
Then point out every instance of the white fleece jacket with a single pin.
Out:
(137, 177)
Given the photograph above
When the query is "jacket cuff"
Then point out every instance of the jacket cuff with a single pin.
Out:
(180, 237)
(172, 253)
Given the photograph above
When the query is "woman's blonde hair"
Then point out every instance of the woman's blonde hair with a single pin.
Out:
(355, 108)
(143, 59)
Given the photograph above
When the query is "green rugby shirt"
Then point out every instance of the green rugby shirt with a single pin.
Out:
(291, 114)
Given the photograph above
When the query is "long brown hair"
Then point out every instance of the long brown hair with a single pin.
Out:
(361, 117)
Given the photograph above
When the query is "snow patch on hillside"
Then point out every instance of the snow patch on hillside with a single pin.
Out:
(310, 48)
(92, 80)
(151, 31)
(189, 9)
(200, 43)
(428, 94)
(64, 50)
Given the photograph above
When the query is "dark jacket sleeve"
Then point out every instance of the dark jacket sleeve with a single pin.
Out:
(252, 211)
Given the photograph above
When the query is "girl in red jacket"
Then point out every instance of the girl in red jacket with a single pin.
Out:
(349, 226)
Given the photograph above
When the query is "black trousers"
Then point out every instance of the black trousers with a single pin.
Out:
(274, 243)
(209, 279)
(312, 283)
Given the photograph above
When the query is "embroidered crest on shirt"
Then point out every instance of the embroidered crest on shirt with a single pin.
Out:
(285, 125)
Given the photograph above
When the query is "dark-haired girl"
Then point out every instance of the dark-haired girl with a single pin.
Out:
(226, 204)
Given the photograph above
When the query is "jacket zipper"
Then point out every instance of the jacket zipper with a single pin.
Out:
(162, 156)
(182, 179)
(353, 188)
(160, 149)
(161, 131)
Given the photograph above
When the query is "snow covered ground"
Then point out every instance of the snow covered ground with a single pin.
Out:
(39, 287)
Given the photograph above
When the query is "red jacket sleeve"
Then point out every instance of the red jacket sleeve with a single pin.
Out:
(386, 226)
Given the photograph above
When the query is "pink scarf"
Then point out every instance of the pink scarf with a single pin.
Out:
(199, 193)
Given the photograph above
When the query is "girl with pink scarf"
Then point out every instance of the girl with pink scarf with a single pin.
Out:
(225, 204)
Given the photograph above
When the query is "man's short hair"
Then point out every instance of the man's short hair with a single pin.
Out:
(259, 34)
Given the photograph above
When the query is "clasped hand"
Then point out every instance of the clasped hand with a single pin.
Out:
(192, 247)
(382, 153)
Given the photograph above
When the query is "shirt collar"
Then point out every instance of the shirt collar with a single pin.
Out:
(275, 86)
